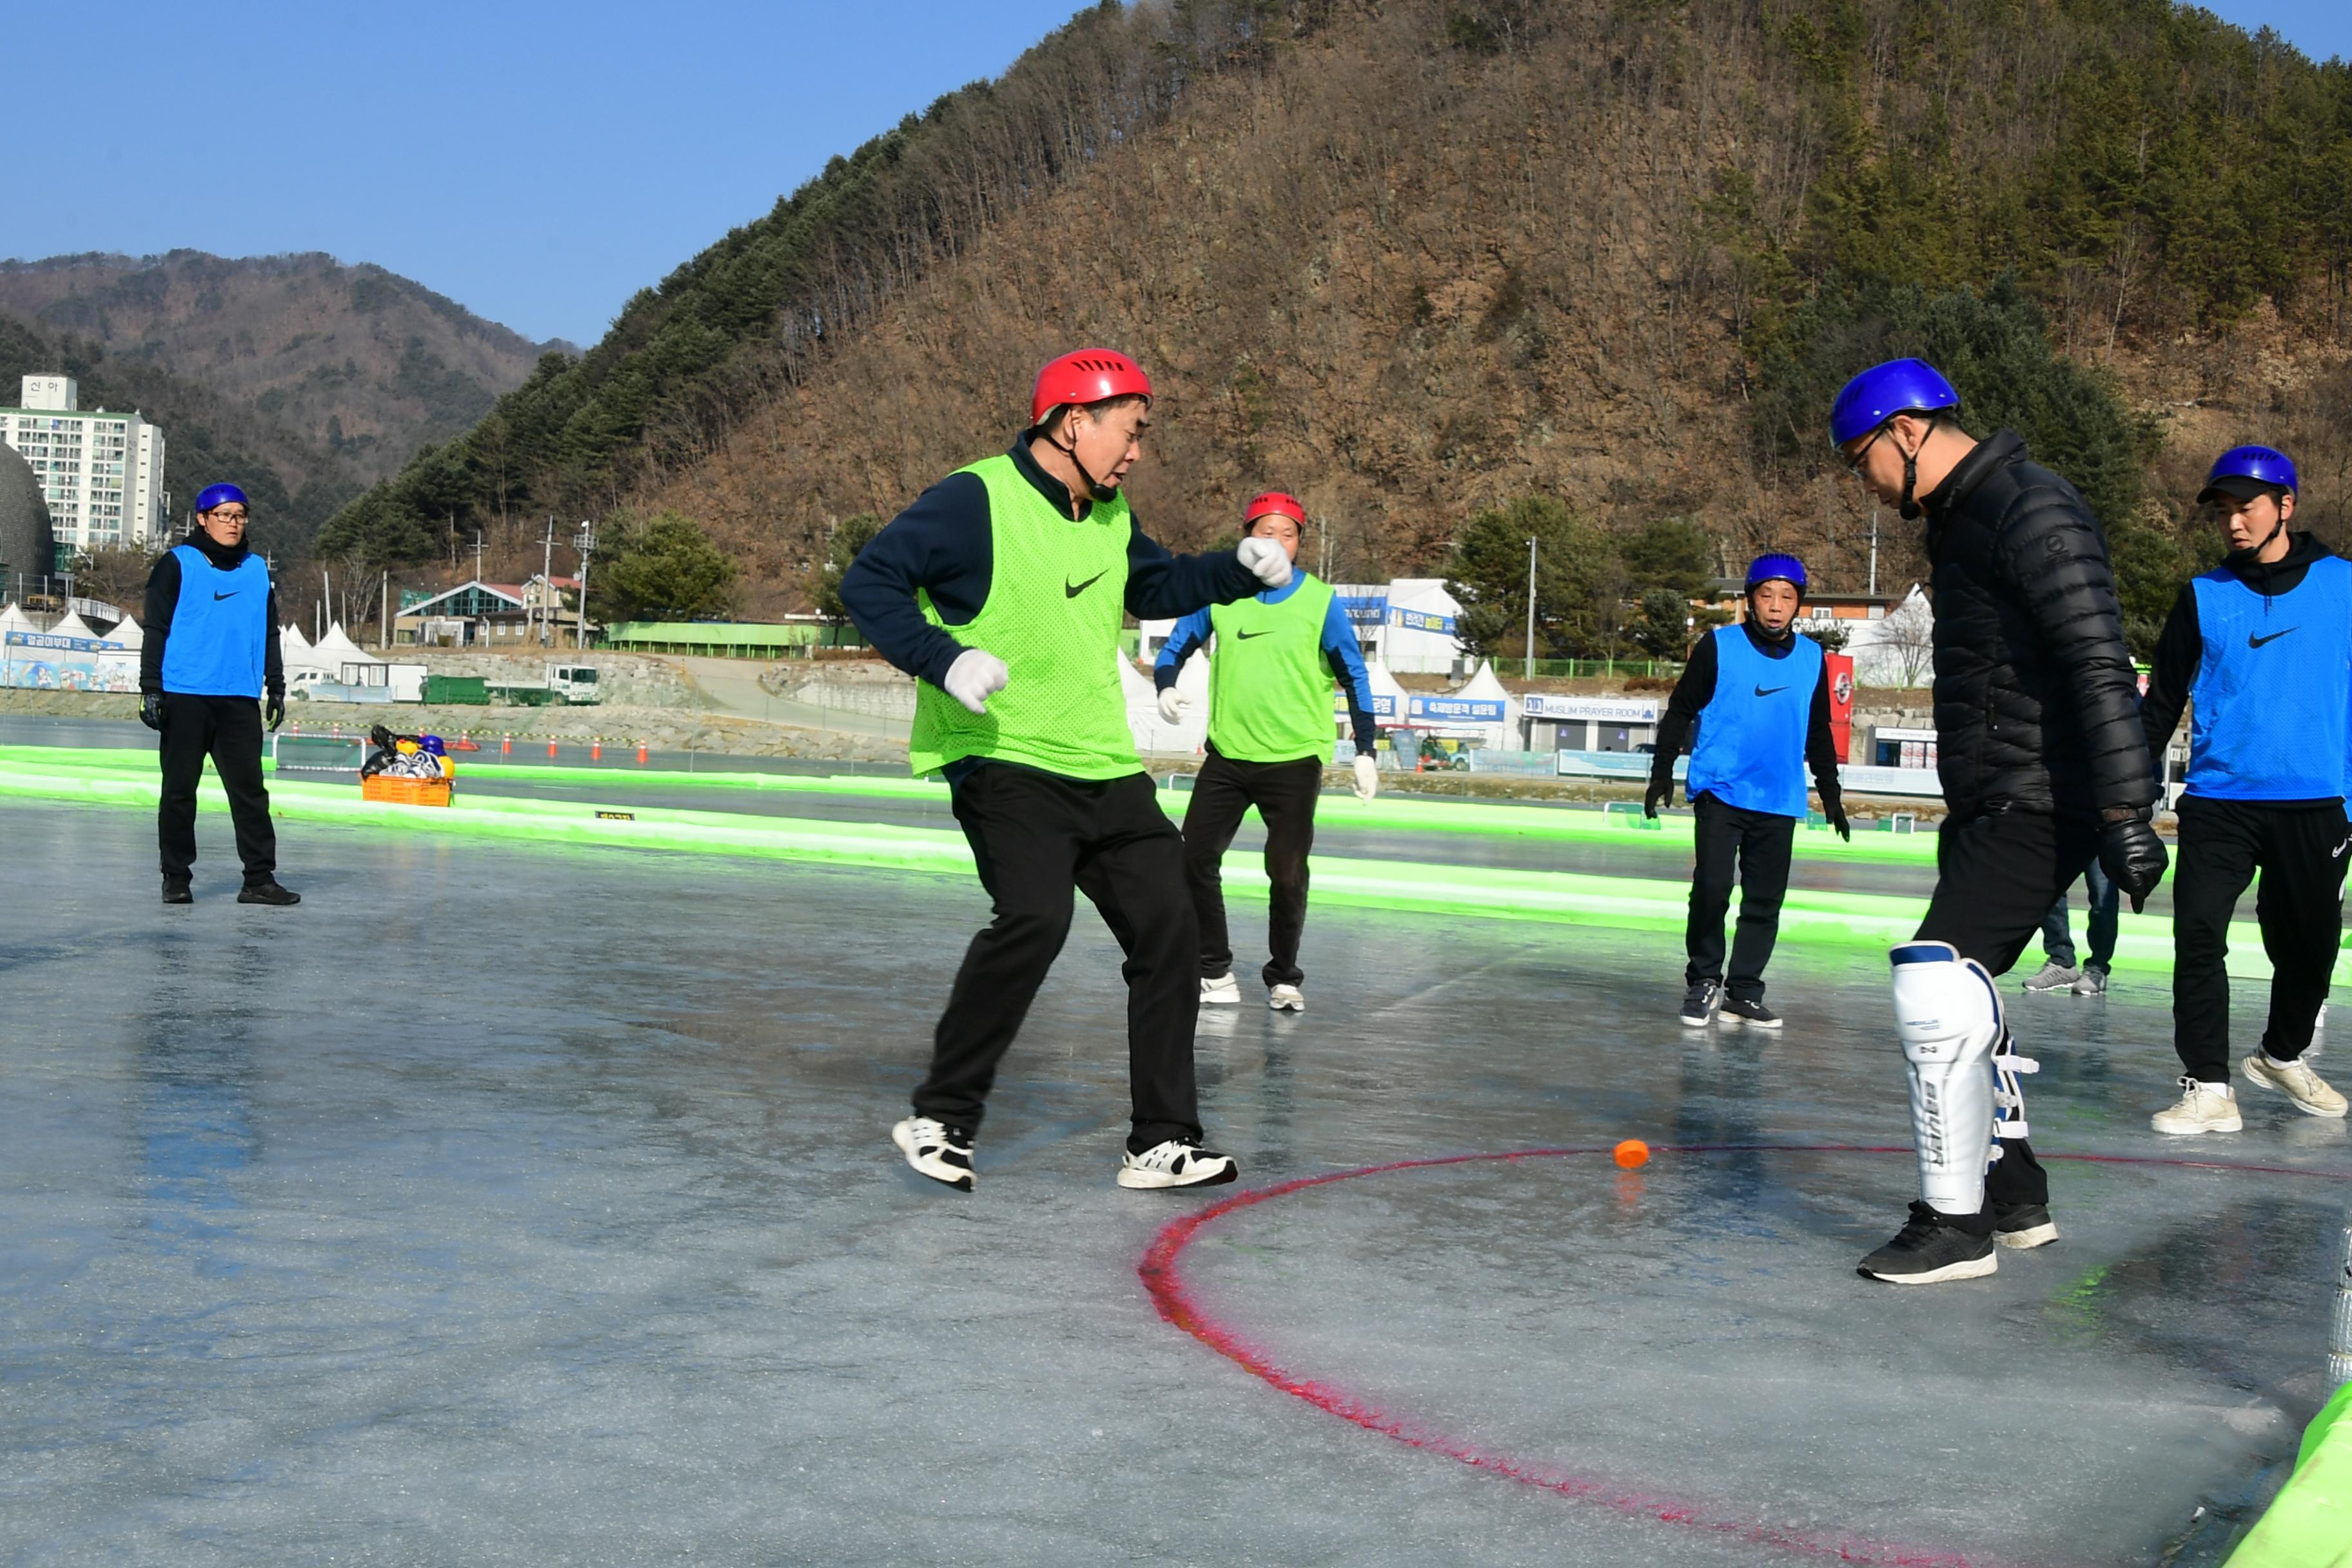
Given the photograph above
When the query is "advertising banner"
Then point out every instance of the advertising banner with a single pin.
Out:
(39, 661)
(1459, 711)
(1604, 709)
(1841, 673)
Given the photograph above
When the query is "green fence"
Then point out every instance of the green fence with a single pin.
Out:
(1589, 668)
(729, 639)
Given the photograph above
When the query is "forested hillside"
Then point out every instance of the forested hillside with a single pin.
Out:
(1417, 259)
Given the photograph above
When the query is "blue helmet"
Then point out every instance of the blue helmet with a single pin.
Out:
(1776, 568)
(2246, 472)
(1883, 390)
(212, 496)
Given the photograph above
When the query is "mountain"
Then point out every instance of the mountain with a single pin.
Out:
(1416, 258)
(357, 363)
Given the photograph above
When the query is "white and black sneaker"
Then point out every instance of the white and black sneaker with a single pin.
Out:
(2053, 976)
(1739, 1011)
(2023, 1225)
(1285, 999)
(936, 1150)
(1701, 1002)
(1929, 1250)
(1178, 1162)
(1223, 991)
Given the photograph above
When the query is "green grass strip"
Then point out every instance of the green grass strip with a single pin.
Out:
(1859, 920)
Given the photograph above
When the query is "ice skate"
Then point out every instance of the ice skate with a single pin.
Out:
(2022, 1227)
(1735, 1013)
(1287, 999)
(1178, 1162)
(936, 1150)
(2053, 976)
(1701, 1002)
(1931, 1250)
(2312, 1094)
(2202, 1107)
(1223, 991)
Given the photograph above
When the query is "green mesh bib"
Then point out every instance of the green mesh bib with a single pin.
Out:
(1057, 595)
(1269, 689)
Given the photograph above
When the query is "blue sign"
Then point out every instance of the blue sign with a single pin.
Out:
(1422, 621)
(62, 645)
(1461, 709)
(1383, 705)
(1363, 609)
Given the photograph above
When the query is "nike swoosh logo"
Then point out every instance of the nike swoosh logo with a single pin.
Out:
(2253, 641)
(1072, 590)
(1765, 691)
(1245, 636)
(232, 594)
(2337, 853)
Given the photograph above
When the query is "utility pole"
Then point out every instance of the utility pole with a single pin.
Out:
(1528, 671)
(587, 543)
(546, 577)
(384, 614)
(1873, 550)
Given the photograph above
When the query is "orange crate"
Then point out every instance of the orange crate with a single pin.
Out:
(406, 792)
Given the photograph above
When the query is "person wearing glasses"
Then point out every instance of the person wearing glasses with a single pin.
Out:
(2043, 768)
(209, 664)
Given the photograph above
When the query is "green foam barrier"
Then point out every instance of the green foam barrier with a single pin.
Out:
(2309, 1524)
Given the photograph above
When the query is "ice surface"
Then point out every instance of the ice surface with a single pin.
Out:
(519, 1204)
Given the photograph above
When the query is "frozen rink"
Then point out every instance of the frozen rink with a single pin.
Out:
(526, 1205)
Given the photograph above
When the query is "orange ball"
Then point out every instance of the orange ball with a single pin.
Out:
(1633, 1152)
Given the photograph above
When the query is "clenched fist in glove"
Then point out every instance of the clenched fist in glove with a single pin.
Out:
(1367, 776)
(1657, 794)
(1172, 707)
(2132, 856)
(151, 709)
(976, 676)
(1267, 561)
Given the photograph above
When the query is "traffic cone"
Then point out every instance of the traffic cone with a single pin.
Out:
(506, 745)
(551, 745)
(596, 750)
(641, 754)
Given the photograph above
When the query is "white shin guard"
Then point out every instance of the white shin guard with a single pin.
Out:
(1949, 1017)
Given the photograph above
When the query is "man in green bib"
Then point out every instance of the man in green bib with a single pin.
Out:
(1270, 735)
(1003, 590)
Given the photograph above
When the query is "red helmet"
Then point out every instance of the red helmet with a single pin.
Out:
(1281, 504)
(1089, 375)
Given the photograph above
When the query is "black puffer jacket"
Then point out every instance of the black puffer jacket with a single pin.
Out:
(2037, 706)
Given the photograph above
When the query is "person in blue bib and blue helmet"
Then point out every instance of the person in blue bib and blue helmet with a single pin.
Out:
(2043, 768)
(1760, 695)
(209, 665)
(2259, 650)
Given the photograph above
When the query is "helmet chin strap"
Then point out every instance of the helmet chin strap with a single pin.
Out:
(1094, 487)
(1908, 509)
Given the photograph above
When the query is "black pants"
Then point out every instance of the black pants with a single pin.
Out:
(2301, 853)
(1038, 837)
(227, 730)
(1997, 874)
(1285, 794)
(2057, 931)
(1759, 842)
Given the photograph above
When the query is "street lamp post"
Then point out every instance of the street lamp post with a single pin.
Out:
(1528, 670)
(587, 546)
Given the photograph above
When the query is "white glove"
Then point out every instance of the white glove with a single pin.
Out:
(1266, 560)
(1367, 776)
(976, 676)
(1171, 706)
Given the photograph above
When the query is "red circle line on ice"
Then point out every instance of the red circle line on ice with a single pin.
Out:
(1163, 1279)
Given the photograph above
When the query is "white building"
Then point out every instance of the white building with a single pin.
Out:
(102, 473)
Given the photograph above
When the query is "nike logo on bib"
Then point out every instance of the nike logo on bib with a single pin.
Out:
(2253, 641)
(1245, 636)
(2337, 853)
(232, 594)
(1767, 691)
(1072, 590)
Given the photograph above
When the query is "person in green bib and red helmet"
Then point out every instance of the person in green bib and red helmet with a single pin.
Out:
(1003, 590)
(1270, 737)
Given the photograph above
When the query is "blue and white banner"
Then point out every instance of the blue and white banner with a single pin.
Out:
(1370, 609)
(1460, 710)
(1421, 620)
(44, 663)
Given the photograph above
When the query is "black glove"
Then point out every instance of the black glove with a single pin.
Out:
(151, 709)
(1834, 807)
(274, 711)
(2133, 857)
(1660, 792)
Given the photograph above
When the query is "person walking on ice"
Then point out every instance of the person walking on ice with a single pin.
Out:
(2058, 971)
(1002, 589)
(1270, 737)
(1760, 694)
(2044, 769)
(2260, 649)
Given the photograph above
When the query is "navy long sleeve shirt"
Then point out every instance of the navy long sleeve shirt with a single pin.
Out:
(942, 545)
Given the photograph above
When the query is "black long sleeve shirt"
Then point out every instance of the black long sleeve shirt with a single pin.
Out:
(2181, 648)
(1695, 689)
(164, 600)
(942, 545)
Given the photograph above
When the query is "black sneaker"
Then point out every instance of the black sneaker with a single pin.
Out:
(1700, 1001)
(268, 893)
(1753, 1014)
(1928, 1250)
(2022, 1225)
(175, 891)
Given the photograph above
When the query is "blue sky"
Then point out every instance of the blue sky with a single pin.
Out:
(535, 162)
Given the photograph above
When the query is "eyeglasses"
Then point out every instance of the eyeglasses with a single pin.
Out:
(1853, 464)
(225, 515)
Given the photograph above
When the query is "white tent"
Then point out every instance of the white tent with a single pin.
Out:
(303, 665)
(1419, 638)
(14, 619)
(1153, 733)
(73, 626)
(1485, 687)
(1385, 685)
(126, 631)
(337, 649)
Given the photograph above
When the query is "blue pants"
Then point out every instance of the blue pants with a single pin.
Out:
(2058, 941)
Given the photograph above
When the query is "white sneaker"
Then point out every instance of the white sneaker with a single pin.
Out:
(1287, 999)
(1225, 991)
(938, 1151)
(2203, 1107)
(2310, 1092)
(1179, 1162)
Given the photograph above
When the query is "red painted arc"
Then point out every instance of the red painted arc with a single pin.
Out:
(1164, 1279)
